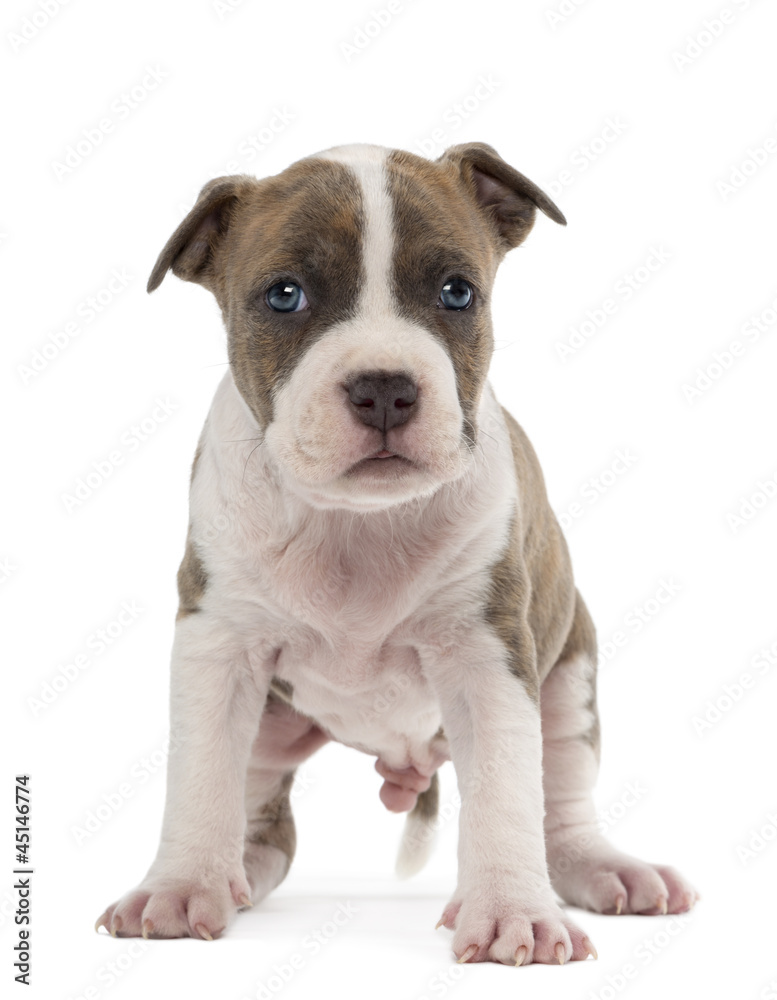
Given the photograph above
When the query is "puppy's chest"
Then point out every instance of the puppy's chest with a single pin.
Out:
(346, 614)
(350, 587)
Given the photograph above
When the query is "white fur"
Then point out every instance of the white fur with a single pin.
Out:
(493, 729)
(571, 765)
(215, 702)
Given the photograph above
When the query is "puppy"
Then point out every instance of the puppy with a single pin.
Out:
(371, 558)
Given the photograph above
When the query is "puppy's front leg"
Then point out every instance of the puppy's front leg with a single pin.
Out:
(197, 879)
(504, 908)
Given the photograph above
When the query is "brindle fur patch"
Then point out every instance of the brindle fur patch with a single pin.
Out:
(531, 600)
(192, 580)
(581, 642)
(274, 824)
(282, 689)
(428, 802)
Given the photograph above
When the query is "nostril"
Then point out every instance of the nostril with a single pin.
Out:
(382, 399)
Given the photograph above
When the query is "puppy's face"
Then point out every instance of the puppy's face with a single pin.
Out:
(355, 290)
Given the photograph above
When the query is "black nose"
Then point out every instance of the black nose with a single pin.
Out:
(382, 400)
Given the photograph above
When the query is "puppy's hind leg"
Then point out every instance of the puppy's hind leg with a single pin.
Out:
(585, 869)
(285, 739)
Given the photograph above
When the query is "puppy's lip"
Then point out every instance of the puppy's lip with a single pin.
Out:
(382, 460)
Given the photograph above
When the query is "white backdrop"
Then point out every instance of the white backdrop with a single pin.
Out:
(637, 347)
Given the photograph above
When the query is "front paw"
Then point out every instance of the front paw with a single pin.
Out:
(494, 925)
(169, 907)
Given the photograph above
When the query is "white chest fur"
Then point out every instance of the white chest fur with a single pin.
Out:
(340, 604)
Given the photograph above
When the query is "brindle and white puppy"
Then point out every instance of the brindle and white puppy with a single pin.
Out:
(372, 559)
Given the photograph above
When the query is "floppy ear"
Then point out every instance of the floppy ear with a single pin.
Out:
(192, 249)
(507, 198)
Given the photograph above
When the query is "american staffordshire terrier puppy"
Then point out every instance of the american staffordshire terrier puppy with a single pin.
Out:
(371, 558)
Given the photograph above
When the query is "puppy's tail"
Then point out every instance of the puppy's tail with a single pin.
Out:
(418, 835)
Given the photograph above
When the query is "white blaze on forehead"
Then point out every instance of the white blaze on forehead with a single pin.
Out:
(315, 436)
(368, 163)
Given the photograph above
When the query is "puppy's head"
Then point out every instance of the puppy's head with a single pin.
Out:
(355, 291)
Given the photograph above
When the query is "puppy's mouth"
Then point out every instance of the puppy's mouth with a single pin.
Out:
(383, 463)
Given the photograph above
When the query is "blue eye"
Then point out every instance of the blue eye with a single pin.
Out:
(286, 297)
(456, 294)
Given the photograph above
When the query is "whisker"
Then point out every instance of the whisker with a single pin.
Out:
(248, 459)
(489, 435)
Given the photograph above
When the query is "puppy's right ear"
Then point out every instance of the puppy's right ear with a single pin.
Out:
(193, 248)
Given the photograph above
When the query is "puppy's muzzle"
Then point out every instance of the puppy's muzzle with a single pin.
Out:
(383, 400)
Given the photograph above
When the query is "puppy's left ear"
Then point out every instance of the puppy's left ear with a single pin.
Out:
(508, 199)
